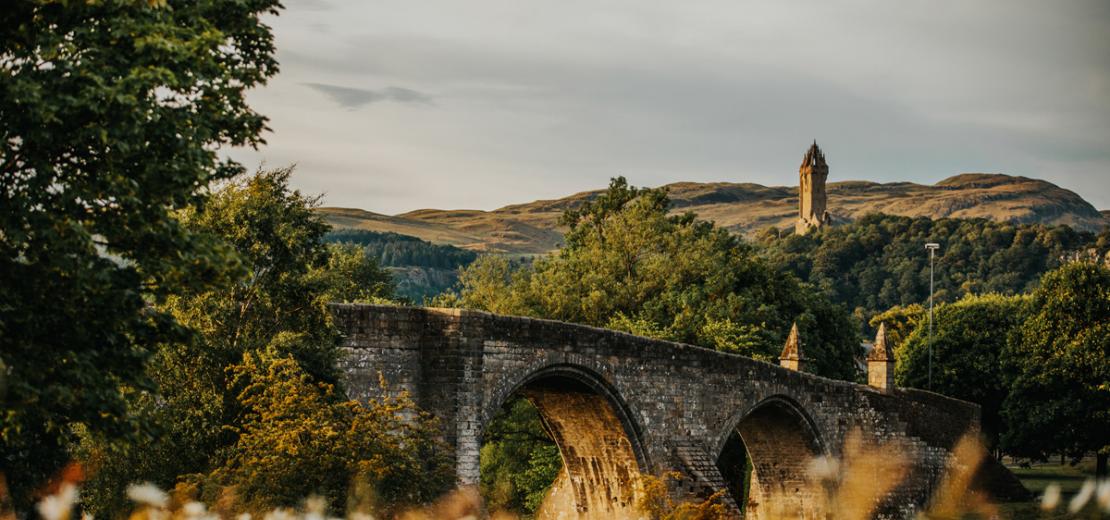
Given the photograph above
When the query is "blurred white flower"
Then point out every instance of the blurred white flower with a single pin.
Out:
(59, 505)
(1083, 496)
(243, 516)
(280, 514)
(147, 494)
(1104, 495)
(194, 509)
(1051, 497)
(314, 508)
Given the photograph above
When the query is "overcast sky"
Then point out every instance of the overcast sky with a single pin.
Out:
(394, 105)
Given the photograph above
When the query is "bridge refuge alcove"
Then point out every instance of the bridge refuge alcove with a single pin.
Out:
(619, 405)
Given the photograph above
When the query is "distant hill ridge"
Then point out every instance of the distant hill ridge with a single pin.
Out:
(532, 228)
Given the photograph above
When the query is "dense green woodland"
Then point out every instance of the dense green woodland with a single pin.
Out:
(420, 269)
(397, 250)
(880, 261)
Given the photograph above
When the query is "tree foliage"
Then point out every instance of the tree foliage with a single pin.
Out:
(276, 311)
(900, 322)
(969, 341)
(629, 265)
(879, 261)
(397, 250)
(353, 276)
(111, 114)
(299, 438)
(1057, 367)
(519, 461)
(421, 269)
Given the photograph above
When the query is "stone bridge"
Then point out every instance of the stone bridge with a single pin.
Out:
(619, 406)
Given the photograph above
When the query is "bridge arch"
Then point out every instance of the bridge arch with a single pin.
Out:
(765, 455)
(674, 403)
(599, 440)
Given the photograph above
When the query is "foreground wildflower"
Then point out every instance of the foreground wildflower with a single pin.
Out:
(1051, 497)
(58, 506)
(148, 494)
(1083, 496)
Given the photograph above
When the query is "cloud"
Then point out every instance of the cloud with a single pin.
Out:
(309, 5)
(537, 100)
(352, 98)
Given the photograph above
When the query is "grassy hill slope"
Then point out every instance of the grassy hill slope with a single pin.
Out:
(532, 228)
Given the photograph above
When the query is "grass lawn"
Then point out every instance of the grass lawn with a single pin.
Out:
(1070, 478)
(1037, 478)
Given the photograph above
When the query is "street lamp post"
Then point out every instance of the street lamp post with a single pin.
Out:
(932, 248)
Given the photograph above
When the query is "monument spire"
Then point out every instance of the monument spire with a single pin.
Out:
(812, 201)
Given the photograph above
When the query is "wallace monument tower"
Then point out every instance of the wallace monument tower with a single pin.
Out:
(811, 191)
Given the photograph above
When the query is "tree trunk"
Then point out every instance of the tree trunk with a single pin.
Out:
(1100, 464)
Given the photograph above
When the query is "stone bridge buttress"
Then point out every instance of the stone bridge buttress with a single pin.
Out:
(619, 405)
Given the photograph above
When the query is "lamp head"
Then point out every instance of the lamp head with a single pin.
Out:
(932, 246)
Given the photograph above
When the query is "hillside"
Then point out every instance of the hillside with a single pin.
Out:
(532, 228)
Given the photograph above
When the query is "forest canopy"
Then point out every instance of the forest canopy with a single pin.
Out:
(397, 250)
(880, 262)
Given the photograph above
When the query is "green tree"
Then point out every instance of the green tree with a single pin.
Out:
(279, 307)
(969, 341)
(900, 322)
(627, 264)
(1057, 368)
(111, 115)
(352, 275)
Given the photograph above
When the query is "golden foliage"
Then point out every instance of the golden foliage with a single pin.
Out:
(657, 504)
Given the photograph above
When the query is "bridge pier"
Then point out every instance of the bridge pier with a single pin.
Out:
(620, 405)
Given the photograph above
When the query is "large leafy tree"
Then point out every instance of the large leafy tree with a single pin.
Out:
(111, 115)
(629, 265)
(1057, 366)
(277, 311)
(969, 340)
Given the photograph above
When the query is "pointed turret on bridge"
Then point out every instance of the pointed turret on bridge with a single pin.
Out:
(792, 356)
(880, 362)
